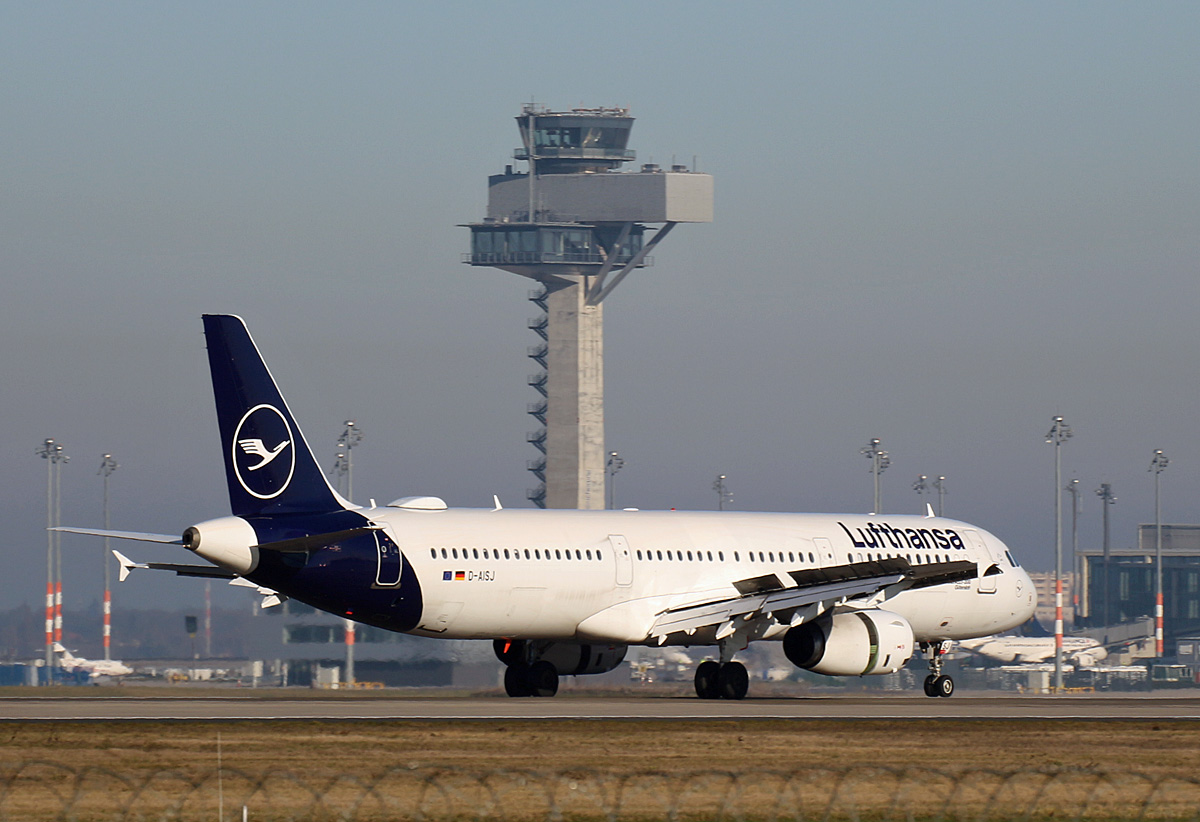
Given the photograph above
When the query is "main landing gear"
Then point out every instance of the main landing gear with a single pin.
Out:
(538, 679)
(722, 681)
(936, 684)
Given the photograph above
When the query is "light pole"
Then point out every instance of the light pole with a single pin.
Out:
(1158, 465)
(52, 451)
(615, 464)
(724, 495)
(352, 435)
(879, 463)
(940, 485)
(107, 466)
(1106, 499)
(1059, 433)
(1072, 488)
(919, 486)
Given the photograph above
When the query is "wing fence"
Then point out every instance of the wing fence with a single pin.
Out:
(36, 790)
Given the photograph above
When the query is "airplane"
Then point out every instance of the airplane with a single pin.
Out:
(1084, 652)
(565, 592)
(95, 667)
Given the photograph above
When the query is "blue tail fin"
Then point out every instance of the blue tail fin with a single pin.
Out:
(268, 465)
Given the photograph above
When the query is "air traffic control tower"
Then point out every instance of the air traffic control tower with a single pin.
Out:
(578, 225)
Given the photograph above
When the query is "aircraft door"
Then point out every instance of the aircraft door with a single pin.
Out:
(824, 551)
(987, 584)
(620, 549)
(390, 564)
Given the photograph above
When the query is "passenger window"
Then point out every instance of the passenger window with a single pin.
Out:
(721, 556)
(639, 556)
(557, 554)
(454, 552)
(689, 556)
(598, 555)
(578, 554)
(660, 556)
(476, 552)
(736, 558)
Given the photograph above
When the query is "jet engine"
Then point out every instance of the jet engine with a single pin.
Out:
(851, 643)
(568, 658)
(227, 542)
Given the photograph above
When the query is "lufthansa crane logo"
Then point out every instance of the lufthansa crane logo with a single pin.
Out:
(264, 454)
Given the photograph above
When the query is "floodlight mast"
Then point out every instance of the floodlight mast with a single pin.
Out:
(940, 485)
(724, 495)
(578, 226)
(1107, 499)
(107, 466)
(55, 455)
(615, 464)
(1059, 433)
(920, 485)
(1158, 465)
(879, 463)
(1072, 488)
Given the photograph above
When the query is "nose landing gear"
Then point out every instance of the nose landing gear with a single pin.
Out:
(936, 684)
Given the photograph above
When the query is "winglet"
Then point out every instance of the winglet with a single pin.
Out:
(929, 511)
(496, 500)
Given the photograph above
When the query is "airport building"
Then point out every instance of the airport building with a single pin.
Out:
(1121, 587)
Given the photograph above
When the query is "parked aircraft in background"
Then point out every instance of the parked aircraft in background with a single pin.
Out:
(566, 592)
(95, 667)
(1083, 652)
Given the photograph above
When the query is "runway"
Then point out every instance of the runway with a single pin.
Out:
(884, 707)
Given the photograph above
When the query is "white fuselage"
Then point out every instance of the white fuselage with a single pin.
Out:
(604, 576)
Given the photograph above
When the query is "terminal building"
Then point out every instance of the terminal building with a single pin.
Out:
(1120, 588)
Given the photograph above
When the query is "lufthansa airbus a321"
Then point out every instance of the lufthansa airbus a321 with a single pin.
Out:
(564, 593)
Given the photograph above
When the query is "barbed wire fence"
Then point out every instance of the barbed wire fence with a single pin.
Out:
(39, 790)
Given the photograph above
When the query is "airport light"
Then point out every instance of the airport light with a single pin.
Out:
(1072, 488)
(1158, 465)
(1059, 433)
(920, 485)
(724, 495)
(940, 485)
(351, 436)
(107, 466)
(55, 455)
(614, 464)
(879, 463)
(1107, 498)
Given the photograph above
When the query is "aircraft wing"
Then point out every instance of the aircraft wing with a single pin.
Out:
(166, 539)
(768, 595)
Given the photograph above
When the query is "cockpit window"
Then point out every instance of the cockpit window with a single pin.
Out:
(1011, 561)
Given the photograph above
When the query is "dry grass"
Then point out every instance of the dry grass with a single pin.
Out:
(333, 747)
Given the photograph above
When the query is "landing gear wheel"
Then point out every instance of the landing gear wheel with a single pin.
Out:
(943, 686)
(543, 679)
(931, 685)
(516, 680)
(707, 680)
(733, 681)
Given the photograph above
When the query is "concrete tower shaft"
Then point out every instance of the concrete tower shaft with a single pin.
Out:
(575, 223)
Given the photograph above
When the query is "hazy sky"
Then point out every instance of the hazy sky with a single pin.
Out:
(936, 223)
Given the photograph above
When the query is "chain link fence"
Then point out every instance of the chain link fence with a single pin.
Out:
(48, 791)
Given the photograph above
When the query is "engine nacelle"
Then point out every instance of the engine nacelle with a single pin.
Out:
(568, 658)
(228, 542)
(851, 643)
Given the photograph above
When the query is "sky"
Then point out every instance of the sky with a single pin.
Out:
(938, 224)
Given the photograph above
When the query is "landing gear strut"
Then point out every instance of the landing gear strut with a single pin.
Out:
(936, 684)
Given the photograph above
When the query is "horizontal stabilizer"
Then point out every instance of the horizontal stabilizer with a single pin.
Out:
(166, 539)
(300, 545)
(208, 571)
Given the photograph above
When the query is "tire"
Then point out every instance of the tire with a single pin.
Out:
(930, 685)
(944, 686)
(733, 681)
(707, 683)
(516, 680)
(543, 679)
